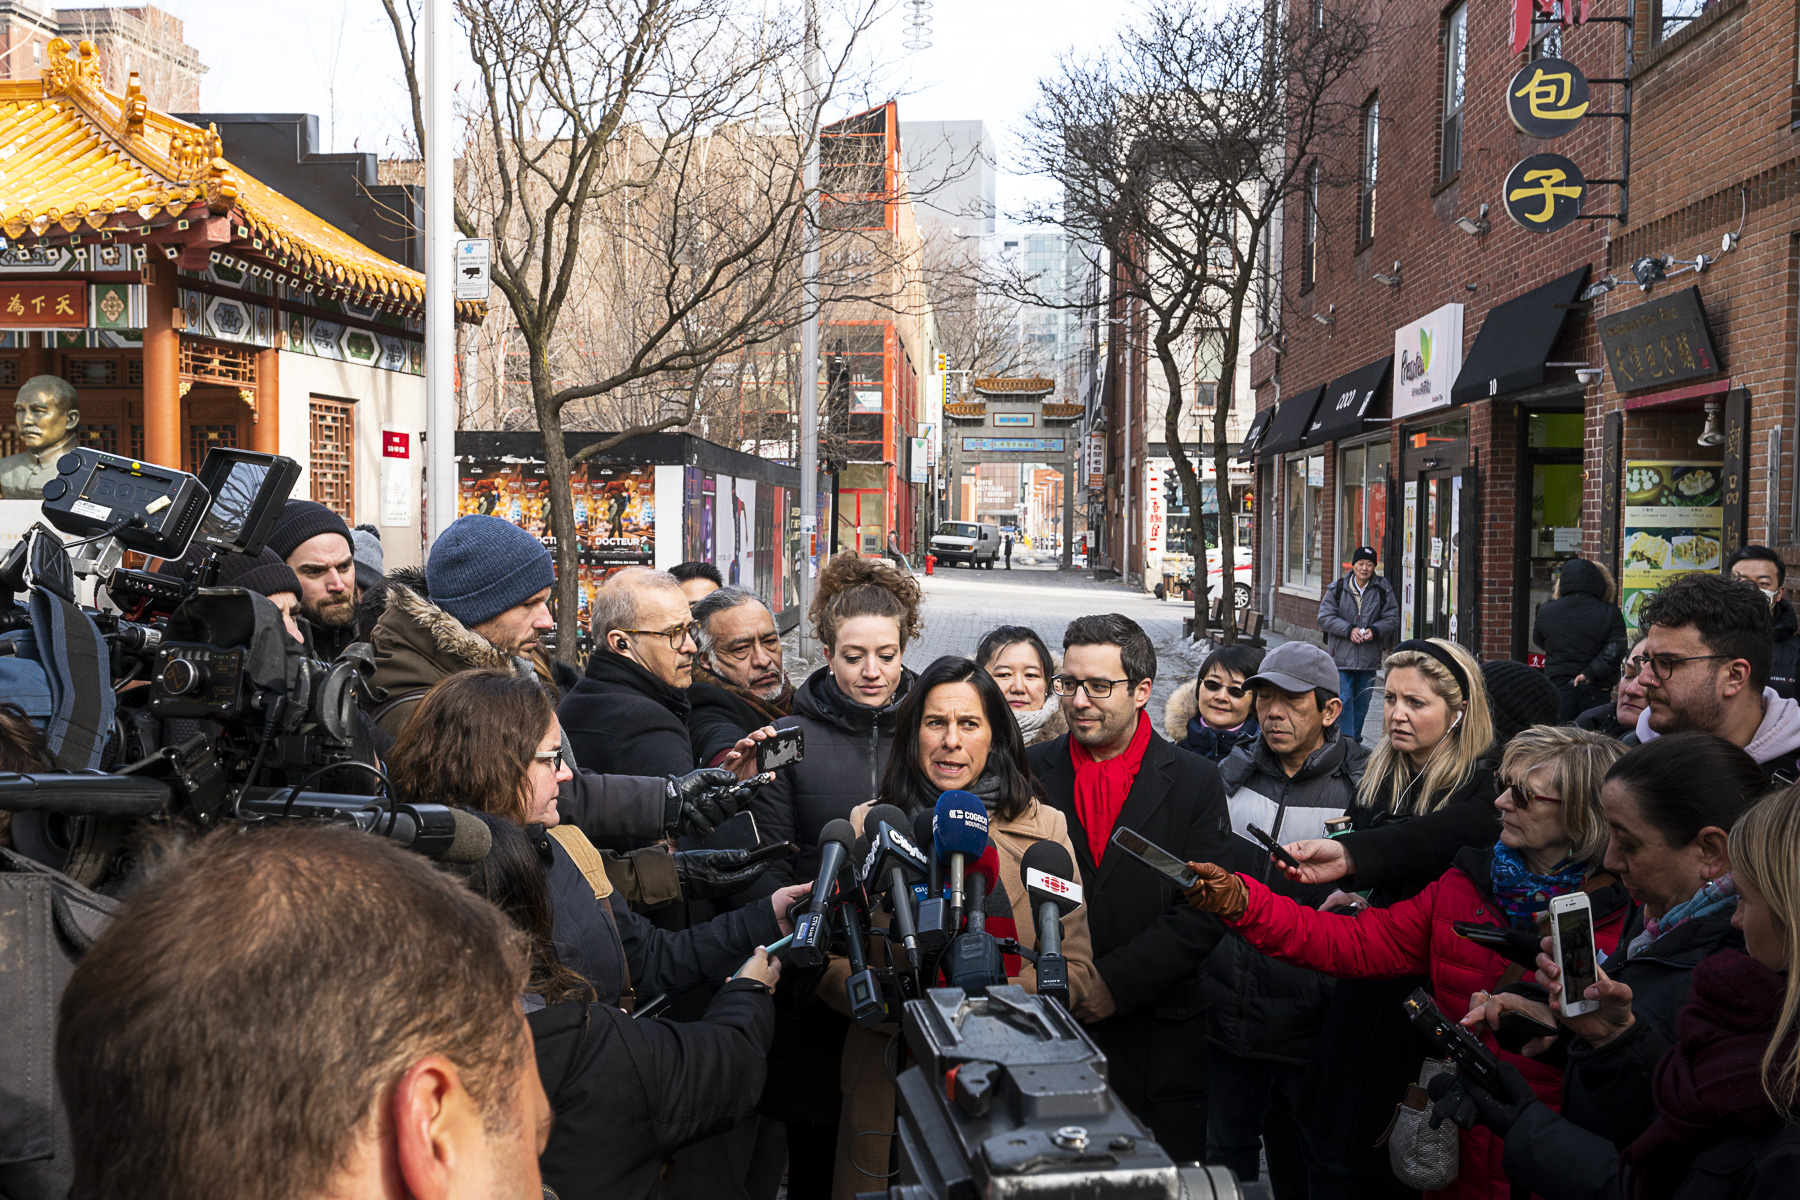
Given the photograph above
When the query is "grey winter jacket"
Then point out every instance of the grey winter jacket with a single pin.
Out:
(1339, 613)
(1258, 1007)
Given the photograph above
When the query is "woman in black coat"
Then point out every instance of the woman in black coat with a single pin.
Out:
(1582, 634)
(627, 1093)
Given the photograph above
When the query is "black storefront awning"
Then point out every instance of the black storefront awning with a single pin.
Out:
(1349, 401)
(1515, 339)
(1247, 452)
(1287, 431)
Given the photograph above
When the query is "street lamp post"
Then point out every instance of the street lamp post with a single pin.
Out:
(808, 389)
(440, 275)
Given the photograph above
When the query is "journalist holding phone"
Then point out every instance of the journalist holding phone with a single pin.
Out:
(1552, 840)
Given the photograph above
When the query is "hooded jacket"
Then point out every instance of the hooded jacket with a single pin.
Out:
(1581, 631)
(1784, 663)
(1340, 612)
(1776, 746)
(417, 644)
(847, 748)
(1183, 725)
(622, 720)
(1258, 1007)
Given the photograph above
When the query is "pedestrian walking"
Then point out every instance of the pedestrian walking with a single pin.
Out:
(1582, 634)
(1360, 618)
(1009, 541)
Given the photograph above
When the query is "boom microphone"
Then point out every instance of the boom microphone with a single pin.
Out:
(1049, 882)
(812, 932)
(893, 863)
(959, 832)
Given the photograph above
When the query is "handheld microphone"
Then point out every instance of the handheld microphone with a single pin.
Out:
(933, 921)
(975, 962)
(959, 832)
(1049, 882)
(895, 863)
(812, 931)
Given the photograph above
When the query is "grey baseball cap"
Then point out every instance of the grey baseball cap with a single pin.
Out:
(1297, 667)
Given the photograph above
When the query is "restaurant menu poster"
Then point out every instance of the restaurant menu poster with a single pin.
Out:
(1673, 523)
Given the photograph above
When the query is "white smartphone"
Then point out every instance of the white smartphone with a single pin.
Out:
(1572, 927)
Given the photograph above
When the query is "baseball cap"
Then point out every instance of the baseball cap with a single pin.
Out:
(1297, 667)
(1363, 552)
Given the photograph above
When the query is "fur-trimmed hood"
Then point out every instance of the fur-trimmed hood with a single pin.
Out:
(1183, 706)
(417, 643)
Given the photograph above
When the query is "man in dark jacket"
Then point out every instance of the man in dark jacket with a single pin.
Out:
(1360, 619)
(629, 715)
(1147, 1009)
(1263, 1016)
(1763, 567)
(1582, 634)
(316, 543)
(739, 684)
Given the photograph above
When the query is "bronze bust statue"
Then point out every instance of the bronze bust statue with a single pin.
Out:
(48, 420)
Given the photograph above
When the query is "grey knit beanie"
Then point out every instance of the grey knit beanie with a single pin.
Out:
(481, 566)
(365, 548)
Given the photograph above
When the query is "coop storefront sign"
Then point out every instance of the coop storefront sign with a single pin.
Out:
(1427, 357)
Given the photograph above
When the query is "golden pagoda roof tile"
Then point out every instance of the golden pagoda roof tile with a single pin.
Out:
(994, 385)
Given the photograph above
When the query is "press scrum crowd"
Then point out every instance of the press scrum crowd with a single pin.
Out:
(592, 1009)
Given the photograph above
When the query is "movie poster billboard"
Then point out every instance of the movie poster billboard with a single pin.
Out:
(621, 529)
(1673, 523)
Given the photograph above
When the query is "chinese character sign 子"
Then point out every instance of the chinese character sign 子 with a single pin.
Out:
(1547, 98)
(1543, 193)
(44, 305)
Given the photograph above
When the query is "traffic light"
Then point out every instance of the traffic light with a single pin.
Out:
(943, 362)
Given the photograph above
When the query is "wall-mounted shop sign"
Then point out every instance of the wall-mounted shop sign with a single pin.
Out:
(1547, 98)
(1543, 193)
(1660, 342)
(1427, 357)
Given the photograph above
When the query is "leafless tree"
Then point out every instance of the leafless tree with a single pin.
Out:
(1176, 150)
(977, 323)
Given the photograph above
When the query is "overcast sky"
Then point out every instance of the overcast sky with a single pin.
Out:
(339, 63)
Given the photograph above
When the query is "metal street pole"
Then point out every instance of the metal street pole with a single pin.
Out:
(807, 391)
(440, 275)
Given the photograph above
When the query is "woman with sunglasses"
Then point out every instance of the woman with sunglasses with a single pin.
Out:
(1617, 718)
(1216, 713)
(1553, 838)
(489, 741)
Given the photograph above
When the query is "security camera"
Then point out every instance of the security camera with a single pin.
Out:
(1589, 376)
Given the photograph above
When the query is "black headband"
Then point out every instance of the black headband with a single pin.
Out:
(1443, 656)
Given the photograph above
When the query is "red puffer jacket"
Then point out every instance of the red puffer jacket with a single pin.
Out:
(1416, 937)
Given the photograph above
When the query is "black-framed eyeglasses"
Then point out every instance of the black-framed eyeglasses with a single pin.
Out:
(1662, 666)
(1236, 691)
(553, 757)
(1630, 667)
(676, 636)
(1097, 689)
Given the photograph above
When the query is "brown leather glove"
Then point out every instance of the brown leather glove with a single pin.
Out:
(1218, 891)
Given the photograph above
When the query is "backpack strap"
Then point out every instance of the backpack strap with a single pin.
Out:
(593, 869)
(393, 702)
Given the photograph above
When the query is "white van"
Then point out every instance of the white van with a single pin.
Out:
(966, 542)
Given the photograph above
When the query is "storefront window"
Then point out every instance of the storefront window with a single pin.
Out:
(1362, 500)
(1303, 495)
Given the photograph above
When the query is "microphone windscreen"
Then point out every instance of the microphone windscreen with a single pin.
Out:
(989, 865)
(839, 831)
(1050, 858)
(960, 825)
(921, 828)
(472, 839)
(889, 813)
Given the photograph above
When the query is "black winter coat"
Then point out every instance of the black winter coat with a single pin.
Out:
(1784, 663)
(846, 752)
(1149, 945)
(628, 1093)
(659, 960)
(717, 721)
(1581, 632)
(1398, 855)
(1604, 719)
(622, 720)
(1258, 1007)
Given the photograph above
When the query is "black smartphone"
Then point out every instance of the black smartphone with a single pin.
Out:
(1515, 1029)
(736, 832)
(787, 747)
(1154, 857)
(778, 850)
(1454, 1042)
(1273, 847)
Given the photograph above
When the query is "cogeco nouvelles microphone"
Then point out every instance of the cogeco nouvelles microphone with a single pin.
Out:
(959, 833)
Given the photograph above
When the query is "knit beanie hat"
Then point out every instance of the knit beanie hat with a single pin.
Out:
(301, 520)
(365, 548)
(266, 574)
(1519, 697)
(481, 566)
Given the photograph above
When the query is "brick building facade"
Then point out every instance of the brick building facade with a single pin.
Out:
(1512, 456)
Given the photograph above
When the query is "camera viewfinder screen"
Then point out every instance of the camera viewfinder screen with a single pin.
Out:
(1575, 932)
(224, 521)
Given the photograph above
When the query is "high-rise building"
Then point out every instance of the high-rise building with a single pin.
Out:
(950, 173)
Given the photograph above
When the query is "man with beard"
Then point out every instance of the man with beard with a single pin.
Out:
(1706, 651)
(315, 542)
(739, 683)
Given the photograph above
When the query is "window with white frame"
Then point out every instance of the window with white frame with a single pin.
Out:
(1303, 495)
(1456, 59)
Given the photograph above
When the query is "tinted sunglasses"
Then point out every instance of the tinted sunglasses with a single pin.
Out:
(1234, 690)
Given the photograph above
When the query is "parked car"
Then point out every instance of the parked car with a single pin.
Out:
(1179, 569)
(966, 542)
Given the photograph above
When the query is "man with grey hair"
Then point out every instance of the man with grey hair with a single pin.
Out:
(739, 683)
(628, 715)
(48, 417)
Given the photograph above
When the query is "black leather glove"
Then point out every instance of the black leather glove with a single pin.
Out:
(711, 874)
(698, 801)
(1457, 1098)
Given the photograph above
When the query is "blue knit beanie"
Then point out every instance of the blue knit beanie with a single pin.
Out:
(481, 566)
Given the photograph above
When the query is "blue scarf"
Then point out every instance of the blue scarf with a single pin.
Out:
(1521, 893)
(1713, 895)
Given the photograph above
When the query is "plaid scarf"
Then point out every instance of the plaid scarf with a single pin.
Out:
(780, 706)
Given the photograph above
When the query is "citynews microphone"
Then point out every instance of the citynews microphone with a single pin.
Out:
(975, 963)
(812, 931)
(1050, 883)
(934, 922)
(959, 833)
(893, 864)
